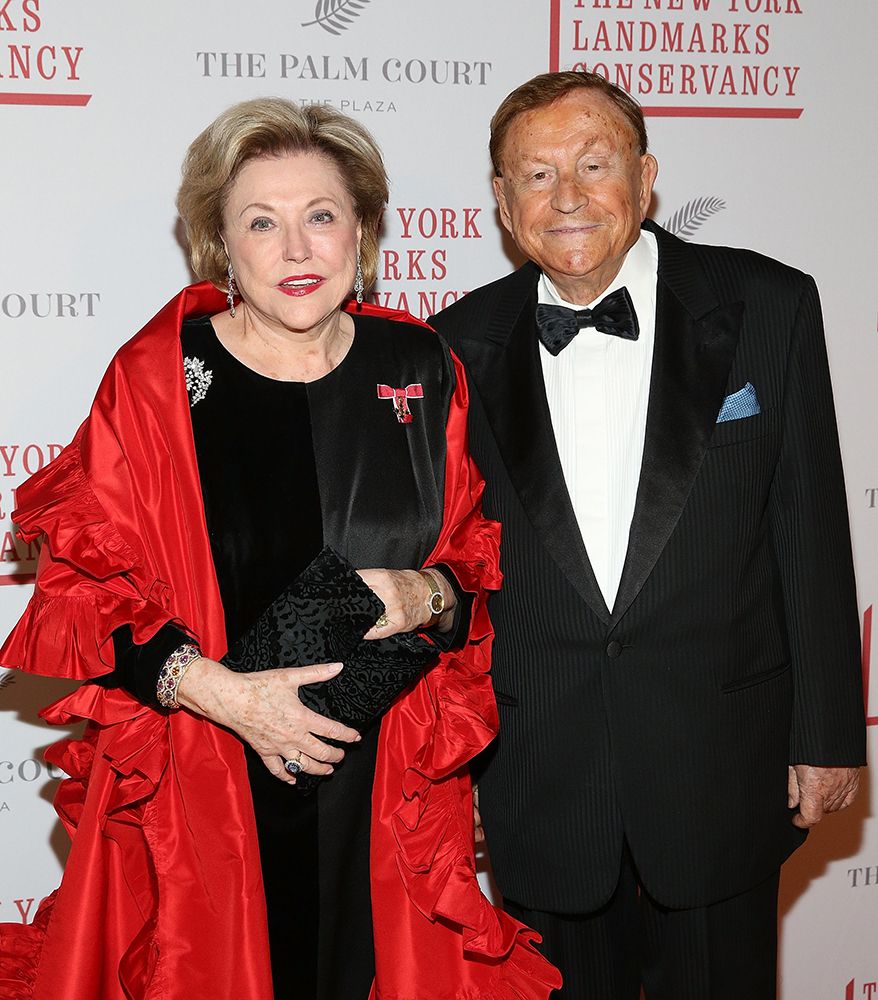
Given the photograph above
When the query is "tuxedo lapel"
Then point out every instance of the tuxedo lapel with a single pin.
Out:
(504, 365)
(695, 343)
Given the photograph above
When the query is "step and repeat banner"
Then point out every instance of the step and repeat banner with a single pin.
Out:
(761, 114)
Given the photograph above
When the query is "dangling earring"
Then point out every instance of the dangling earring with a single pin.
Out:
(232, 291)
(358, 280)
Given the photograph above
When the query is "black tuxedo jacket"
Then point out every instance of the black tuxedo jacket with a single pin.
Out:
(732, 649)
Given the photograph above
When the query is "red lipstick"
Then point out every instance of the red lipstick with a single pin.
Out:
(298, 285)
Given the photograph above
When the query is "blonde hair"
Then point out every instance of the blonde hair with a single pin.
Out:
(270, 127)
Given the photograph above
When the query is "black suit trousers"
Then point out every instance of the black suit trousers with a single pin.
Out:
(725, 951)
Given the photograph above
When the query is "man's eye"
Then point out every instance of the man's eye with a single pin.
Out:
(261, 224)
(540, 175)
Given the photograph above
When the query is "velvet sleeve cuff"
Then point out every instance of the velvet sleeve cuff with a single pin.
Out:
(138, 664)
(456, 636)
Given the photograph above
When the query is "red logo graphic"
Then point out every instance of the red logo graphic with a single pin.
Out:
(685, 58)
(868, 991)
(18, 559)
(30, 60)
(422, 267)
(23, 906)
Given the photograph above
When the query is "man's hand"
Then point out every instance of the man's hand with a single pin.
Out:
(819, 790)
(477, 817)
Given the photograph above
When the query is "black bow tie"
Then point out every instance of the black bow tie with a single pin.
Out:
(614, 315)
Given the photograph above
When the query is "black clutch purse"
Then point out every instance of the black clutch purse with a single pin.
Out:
(321, 617)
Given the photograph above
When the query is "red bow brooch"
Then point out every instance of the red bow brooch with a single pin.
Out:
(400, 399)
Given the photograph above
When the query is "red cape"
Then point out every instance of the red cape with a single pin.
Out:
(162, 893)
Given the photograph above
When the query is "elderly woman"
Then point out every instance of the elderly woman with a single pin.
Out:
(233, 438)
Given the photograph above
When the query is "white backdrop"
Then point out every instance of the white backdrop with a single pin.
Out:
(761, 115)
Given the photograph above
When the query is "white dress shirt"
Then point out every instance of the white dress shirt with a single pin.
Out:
(598, 392)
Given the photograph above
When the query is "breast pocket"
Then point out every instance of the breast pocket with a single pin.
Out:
(754, 680)
(507, 700)
(745, 429)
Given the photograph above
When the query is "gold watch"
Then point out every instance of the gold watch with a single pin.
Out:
(435, 602)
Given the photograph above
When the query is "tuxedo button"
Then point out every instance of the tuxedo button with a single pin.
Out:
(614, 649)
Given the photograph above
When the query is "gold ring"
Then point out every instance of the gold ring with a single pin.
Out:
(382, 620)
(293, 767)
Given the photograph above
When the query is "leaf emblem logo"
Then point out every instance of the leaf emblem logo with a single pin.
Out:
(692, 216)
(336, 16)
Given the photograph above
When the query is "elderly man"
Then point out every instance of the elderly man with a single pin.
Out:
(676, 662)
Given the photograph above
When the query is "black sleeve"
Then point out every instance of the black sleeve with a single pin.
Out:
(456, 636)
(138, 665)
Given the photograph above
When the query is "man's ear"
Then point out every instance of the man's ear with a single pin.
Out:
(500, 194)
(648, 174)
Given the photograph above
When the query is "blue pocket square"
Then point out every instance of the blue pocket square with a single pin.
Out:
(742, 403)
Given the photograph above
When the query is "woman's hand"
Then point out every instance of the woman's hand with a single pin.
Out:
(405, 594)
(264, 709)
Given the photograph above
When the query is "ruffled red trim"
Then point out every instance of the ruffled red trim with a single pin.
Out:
(433, 829)
(66, 626)
(438, 728)
(135, 743)
(21, 946)
(138, 753)
(137, 881)
(89, 542)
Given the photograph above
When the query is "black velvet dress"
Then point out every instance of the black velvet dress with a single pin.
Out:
(285, 468)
